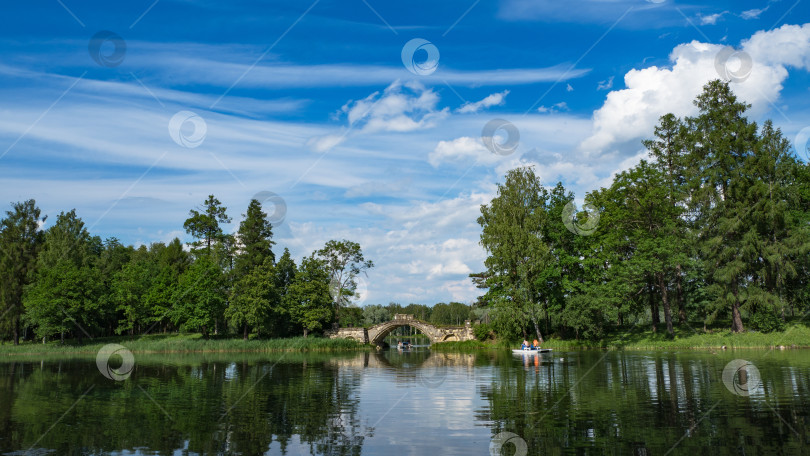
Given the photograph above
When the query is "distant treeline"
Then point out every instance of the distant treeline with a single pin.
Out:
(715, 226)
(454, 313)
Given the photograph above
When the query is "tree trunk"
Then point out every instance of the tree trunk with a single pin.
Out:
(245, 333)
(17, 330)
(736, 318)
(537, 329)
(306, 331)
(679, 296)
(662, 285)
(653, 309)
(62, 338)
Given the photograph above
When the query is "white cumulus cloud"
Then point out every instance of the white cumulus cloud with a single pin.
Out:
(400, 107)
(463, 149)
(631, 114)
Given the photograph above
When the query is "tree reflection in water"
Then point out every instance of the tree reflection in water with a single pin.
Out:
(570, 403)
(649, 403)
(204, 405)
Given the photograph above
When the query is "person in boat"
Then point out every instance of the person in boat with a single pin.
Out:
(399, 344)
(535, 345)
(525, 345)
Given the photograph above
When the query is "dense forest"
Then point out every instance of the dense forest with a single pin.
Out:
(64, 282)
(714, 227)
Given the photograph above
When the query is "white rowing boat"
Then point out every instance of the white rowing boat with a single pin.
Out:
(530, 351)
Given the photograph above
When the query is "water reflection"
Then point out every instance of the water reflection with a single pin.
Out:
(195, 404)
(409, 402)
(636, 403)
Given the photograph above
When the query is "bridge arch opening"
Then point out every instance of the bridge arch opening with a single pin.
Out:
(385, 329)
(407, 332)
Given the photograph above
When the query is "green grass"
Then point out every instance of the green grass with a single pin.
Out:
(467, 345)
(795, 335)
(186, 343)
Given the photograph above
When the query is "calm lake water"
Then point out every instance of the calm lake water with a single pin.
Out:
(418, 402)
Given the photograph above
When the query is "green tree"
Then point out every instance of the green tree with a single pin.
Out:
(511, 234)
(344, 261)
(199, 299)
(171, 262)
(670, 156)
(284, 274)
(651, 221)
(112, 259)
(777, 240)
(129, 289)
(205, 226)
(65, 295)
(308, 299)
(254, 240)
(375, 313)
(255, 301)
(20, 243)
(721, 141)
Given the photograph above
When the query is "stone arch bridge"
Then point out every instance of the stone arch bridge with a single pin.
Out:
(377, 333)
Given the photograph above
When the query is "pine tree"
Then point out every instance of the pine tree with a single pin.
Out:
(721, 140)
(204, 226)
(20, 243)
(255, 240)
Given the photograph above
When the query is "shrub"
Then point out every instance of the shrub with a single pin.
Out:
(482, 331)
(766, 321)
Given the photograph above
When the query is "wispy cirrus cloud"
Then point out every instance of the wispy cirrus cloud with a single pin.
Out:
(495, 99)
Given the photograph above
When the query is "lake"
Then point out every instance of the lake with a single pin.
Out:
(418, 402)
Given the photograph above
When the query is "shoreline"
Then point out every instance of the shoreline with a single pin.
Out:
(184, 344)
(794, 337)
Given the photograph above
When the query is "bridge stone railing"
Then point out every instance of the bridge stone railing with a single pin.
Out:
(377, 333)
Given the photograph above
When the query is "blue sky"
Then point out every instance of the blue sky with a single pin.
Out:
(311, 101)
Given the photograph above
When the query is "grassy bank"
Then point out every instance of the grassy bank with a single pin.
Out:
(186, 343)
(468, 345)
(796, 335)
